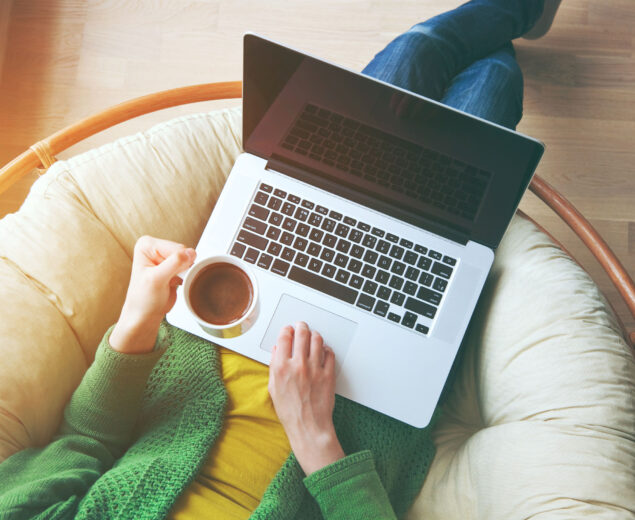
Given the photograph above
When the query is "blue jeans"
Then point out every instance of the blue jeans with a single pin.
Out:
(464, 58)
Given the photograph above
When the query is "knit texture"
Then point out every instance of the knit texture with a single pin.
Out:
(180, 416)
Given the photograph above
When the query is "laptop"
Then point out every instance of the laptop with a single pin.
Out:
(369, 212)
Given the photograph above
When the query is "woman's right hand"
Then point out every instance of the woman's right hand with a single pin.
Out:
(302, 388)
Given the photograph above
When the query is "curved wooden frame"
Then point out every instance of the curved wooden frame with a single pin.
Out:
(42, 154)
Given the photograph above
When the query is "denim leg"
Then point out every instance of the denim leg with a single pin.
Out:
(490, 88)
(426, 58)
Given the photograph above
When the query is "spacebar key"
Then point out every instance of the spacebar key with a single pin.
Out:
(322, 284)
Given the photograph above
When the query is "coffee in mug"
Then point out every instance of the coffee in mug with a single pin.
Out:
(222, 295)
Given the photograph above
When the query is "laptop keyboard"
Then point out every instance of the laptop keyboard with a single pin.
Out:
(377, 271)
(402, 166)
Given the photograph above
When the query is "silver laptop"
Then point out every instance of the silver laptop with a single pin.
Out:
(370, 213)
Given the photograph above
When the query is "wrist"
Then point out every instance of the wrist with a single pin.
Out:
(316, 451)
(134, 335)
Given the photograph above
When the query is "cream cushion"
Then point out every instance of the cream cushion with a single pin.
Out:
(540, 422)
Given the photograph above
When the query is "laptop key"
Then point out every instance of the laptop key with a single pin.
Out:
(274, 248)
(420, 249)
(340, 260)
(392, 238)
(301, 259)
(356, 281)
(257, 241)
(412, 273)
(405, 243)
(383, 293)
(383, 246)
(275, 218)
(410, 257)
(370, 241)
(381, 308)
(378, 232)
(257, 226)
(265, 260)
(449, 260)
(330, 287)
(315, 265)
(343, 246)
(342, 276)
(335, 215)
(398, 267)
(394, 317)
(355, 236)
(273, 233)
(368, 271)
(420, 307)
(424, 263)
(370, 256)
(327, 254)
(309, 205)
(330, 240)
(382, 276)
(315, 219)
(238, 250)
(274, 203)
(384, 262)
(366, 302)
(434, 254)
(354, 265)
(261, 198)
(422, 328)
(426, 279)
(357, 251)
(293, 198)
(314, 249)
(429, 295)
(316, 235)
(396, 252)
(439, 284)
(442, 270)
(410, 288)
(251, 255)
(328, 270)
(266, 187)
(350, 221)
(303, 229)
(301, 214)
(258, 212)
(397, 298)
(363, 226)
(287, 238)
(321, 209)
(287, 254)
(280, 193)
(280, 267)
(396, 282)
(409, 319)
(342, 230)
(300, 243)
(289, 224)
(288, 209)
(328, 225)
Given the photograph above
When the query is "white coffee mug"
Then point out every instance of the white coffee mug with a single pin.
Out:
(234, 328)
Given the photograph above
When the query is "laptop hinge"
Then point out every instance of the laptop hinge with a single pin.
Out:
(316, 178)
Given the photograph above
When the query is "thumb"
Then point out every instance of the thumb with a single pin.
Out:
(175, 263)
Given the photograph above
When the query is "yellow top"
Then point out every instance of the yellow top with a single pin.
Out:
(248, 453)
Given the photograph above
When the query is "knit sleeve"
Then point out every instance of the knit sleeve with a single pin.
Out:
(98, 421)
(350, 489)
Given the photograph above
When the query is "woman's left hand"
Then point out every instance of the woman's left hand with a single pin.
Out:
(302, 388)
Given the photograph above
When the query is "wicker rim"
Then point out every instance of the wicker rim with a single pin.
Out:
(42, 154)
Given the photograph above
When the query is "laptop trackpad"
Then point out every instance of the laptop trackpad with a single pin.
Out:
(336, 331)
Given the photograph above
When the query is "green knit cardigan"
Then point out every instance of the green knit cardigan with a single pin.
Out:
(139, 427)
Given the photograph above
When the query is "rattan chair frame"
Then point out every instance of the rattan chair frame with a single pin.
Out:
(42, 155)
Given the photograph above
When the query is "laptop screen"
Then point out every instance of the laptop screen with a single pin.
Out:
(406, 155)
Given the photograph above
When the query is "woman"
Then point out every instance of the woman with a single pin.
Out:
(165, 424)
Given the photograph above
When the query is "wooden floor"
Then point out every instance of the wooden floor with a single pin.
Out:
(65, 59)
